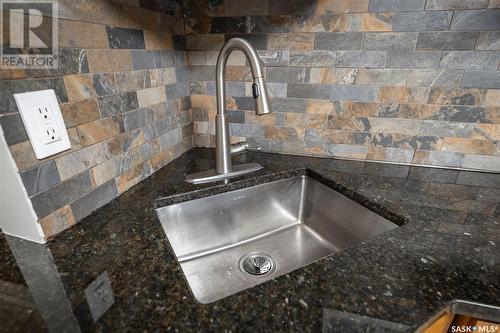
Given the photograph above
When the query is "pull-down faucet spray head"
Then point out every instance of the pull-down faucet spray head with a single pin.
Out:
(261, 95)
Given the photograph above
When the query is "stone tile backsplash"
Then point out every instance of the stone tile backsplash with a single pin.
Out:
(412, 81)
(408, 81)
(123, 91)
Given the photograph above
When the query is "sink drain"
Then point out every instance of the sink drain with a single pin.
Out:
(258, 264)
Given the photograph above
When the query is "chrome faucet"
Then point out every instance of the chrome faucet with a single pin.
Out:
(223, 150)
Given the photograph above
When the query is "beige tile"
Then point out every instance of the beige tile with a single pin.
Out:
(82, 34)
(79, 87)
(398, 126)
(109, 60)
(294, 41)
(151, 96)
(366, 22)
(81, 160)
(105, 171)
(492, 98)
(203, 101)
(320, 106)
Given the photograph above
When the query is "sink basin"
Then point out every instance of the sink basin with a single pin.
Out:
(235, 240)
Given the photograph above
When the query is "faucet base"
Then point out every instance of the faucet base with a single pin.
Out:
(212, 176)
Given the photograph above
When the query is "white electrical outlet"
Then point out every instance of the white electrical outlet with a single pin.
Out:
(43, 121)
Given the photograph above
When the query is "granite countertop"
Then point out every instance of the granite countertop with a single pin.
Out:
(448, 249)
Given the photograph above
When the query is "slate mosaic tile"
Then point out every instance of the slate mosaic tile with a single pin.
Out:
(390, 41)
(446, 41)
(417, 142)
(80, 112)
(314, 23)
(421, 21)
(9, 87)
(101, 60)
(396, 5)
(344, 6)
(40, 178)
(338, 41)
(98, 197)
(288, 75)
(474, 20)
(61, 194)
(470, 60)
(125, 38)
(70, 61)
(99, 130)
(488, 40)
(349, 123)
(267, 24)
(482, 162)
(13, 129)
(312, 58)
(293, 7)
(455, 4)
(456, 96)
(104, 84)
(115, 104)
(360, 59)
(481, 79)
(444, 128)
(366, 22)
(334, 92)
(448, 159)
(421, 60)
(79, 87)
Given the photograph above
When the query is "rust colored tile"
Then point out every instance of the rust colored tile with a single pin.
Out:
(366, 22)
(469, 146)
(486, 132)
(81, 112)
(265, 120)
(349, 123)
(8, 74)
(360, 109)
(320, 106)
(341, 6)
(456, 96)
(203, 101)
(131, 177)
(160, 160)
(238, 73)
(157, 40)
(295, 41)
(58, 221)
(99, 130)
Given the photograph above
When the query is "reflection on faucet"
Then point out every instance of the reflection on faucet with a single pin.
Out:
(223, 150)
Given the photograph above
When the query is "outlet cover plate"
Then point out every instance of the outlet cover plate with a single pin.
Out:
(43, 121)
(99, 295)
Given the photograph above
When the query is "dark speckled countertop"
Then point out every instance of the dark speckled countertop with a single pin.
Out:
(449, 249)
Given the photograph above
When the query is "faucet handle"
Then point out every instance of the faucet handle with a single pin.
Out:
(240, 147)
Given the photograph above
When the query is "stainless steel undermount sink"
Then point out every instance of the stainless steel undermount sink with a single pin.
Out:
(235, 240)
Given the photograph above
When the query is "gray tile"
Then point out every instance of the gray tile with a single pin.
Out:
(473, 20)
(10, 87)
(331, 91)
(270, 23)
(116, 104)
(138, 118)
(482, 162)
(445, 128)
(142, 59)
(274, 57)
(338, 41)
(422, 60)
(488, 40)
(386, 41)
(491, 180)
(97, 198)
(288, 75)
(470, 60)
(481, 79)
(70, 61)
(288, 105)
(125, 38)
(455, 4)
(40, 178)
(246, 130)
(433, 174)
(362, 59)
(421, 21)
(61, 194)
(245, 7)
(13, 128)
(312, 58)
(446, 40)
(396, 5)
(104, 84)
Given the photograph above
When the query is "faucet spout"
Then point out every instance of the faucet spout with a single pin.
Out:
(223, 165)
